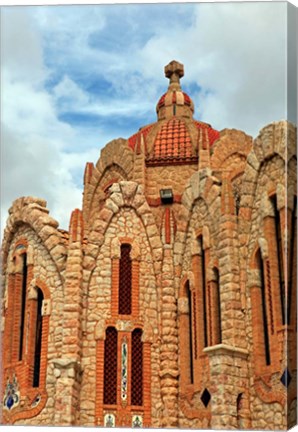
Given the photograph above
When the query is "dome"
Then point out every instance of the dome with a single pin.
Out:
(176, 137)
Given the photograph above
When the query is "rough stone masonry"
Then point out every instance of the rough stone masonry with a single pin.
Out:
(171, 300)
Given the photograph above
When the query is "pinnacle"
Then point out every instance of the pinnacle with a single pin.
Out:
(174, 71)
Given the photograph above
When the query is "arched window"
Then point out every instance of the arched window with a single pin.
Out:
(38, 339)
(202, 283)
(22, 305)
(110, 366)
(190, 330)
(125, 280)
(280, 261)
(216, 319)
(137, 368)
(260, 265)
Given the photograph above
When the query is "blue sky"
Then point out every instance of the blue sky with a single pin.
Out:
(75, 77)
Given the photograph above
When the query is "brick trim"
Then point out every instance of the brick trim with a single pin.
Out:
(99, 382)
(184, 322)
(23, 369)
(123, 410)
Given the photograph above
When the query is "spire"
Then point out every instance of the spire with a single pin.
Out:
(174, 71)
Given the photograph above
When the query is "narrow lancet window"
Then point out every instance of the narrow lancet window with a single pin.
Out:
(278, 236)
(216, 308)
(203, 289)
(125, 280)
(23, 306)
(38, 338)
(264, 308)
(190, 324)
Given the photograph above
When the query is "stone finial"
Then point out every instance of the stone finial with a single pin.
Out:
(174, 71)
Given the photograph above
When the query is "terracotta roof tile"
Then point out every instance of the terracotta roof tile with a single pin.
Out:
(172, 143)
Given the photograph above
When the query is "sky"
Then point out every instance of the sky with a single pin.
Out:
(75, 77)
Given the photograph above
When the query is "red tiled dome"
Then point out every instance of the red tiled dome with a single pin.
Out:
(176, 137)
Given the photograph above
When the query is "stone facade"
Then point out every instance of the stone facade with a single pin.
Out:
(171, 300)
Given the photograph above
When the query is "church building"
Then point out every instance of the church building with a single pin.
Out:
(171, 299)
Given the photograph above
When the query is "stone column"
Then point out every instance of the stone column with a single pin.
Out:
(228, 360)
(229, 379)
(67, 368)
(233, 323)
(67, 373)
(169, 341)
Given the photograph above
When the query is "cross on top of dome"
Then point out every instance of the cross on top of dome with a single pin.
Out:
(174, 71)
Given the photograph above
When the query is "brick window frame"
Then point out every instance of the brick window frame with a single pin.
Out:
(200, 358)
(265, 340)
(123, 409)
(186, 335)
(12, 364)
(214, 307)
(292, 286)
(279, 223)
(38, 286)
(20, 272)
(200, 264)
(274, 228)
(292, 265)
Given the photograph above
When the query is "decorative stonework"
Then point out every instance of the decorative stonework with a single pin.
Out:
(222, 184)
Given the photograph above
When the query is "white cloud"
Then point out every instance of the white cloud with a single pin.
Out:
(33, 139)
(234, 52)
(238, 52)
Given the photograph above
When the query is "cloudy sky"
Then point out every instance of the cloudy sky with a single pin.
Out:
(75, 77)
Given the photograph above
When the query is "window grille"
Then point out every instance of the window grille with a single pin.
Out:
(137, 368)
(110, 367)
(125, 280)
